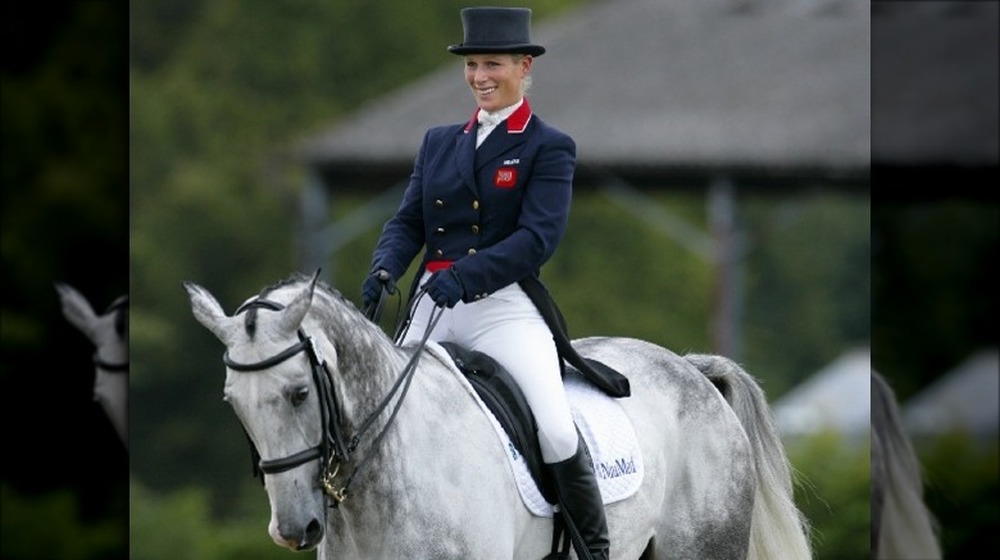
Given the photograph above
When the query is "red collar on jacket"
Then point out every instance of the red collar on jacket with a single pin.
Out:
(517, 122)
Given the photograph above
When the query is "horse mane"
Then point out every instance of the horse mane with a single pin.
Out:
(250, 320)
(901, 519)
(355, 339)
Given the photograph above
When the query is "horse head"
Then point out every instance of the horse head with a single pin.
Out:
(271, 386)
(109, 334)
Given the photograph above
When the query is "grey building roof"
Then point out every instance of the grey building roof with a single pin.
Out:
(652, 89)
(936, 92)
(966, 399)
(836, 398)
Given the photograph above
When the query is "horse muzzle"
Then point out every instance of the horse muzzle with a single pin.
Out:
(297, 539)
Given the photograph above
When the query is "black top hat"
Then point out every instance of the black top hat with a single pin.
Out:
(496, 30)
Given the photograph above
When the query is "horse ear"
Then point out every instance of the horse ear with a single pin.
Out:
(209, 313)
(295, 311)
(77, 309)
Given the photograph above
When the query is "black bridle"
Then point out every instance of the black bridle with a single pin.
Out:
(119, 306)
(332, 450)
(110, 367)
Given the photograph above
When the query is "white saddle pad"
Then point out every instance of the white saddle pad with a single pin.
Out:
(605, 427)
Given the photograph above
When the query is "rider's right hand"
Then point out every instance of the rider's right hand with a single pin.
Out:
(371, 290)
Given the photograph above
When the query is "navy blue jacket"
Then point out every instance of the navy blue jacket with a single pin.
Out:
(495, 214)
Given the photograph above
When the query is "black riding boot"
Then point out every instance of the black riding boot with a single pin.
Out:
(579, 493)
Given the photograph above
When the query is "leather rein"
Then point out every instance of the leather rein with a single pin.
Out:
(333, 449)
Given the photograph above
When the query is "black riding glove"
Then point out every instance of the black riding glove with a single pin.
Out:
(444, 288)
(371, 290)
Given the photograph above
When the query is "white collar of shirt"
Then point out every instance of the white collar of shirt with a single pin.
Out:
(488, 121)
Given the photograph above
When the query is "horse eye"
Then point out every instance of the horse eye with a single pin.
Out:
(299, 395)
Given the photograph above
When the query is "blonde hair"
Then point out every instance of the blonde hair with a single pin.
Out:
(526, 82)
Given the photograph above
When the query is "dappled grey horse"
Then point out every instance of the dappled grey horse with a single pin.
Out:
(371, 450)
(109, 334)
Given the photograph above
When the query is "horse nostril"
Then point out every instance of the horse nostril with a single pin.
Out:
(314, 533)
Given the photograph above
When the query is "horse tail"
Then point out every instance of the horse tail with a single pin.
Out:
(778, 528)
(902, 526)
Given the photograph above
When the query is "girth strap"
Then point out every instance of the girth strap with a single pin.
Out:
(560, 540)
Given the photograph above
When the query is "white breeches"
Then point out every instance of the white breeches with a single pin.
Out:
(508, 327)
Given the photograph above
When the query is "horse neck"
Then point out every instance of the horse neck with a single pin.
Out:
(368, 362)
(111, 392)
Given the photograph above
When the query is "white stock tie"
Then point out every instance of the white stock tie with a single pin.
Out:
(487, 123)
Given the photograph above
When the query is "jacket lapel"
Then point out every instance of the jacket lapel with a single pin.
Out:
(465, 153)
(507, 135)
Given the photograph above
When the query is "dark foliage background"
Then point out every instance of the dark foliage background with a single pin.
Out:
(65, 219)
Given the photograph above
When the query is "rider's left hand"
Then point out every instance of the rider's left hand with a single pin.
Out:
(445, 288)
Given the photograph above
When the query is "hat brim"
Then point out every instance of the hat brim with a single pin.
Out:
(525, 48)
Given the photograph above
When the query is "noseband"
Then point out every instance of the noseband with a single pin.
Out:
(332, 449)
(110, 367)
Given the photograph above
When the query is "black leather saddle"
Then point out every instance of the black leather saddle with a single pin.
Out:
(504, 398)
